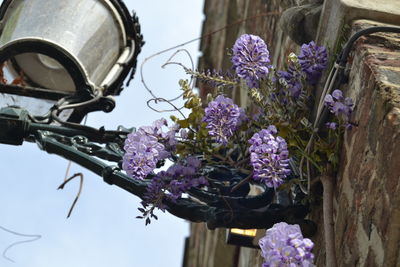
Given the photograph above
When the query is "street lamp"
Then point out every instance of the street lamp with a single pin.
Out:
(79, 50)
(76, 55)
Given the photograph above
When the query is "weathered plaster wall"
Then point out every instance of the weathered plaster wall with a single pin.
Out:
(367, 190)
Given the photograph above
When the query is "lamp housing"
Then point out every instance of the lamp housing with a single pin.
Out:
(79, 48)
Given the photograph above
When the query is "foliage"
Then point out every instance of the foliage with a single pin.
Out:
(266, 142)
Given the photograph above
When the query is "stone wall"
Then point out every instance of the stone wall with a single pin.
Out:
(367, 189)
(368, 184)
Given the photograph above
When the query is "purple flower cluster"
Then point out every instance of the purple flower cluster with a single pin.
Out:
(313, 60)
(293, 78)
(166, 138)
(283, 245)
(223, 117)
(340, 106)
(331, 125)
(145, 147)
(172, 183)
(269, 157)
(250, 59)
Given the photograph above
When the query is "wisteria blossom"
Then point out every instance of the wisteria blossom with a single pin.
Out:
(171, 184)
(223, 117)
(145, 147)
(313, 60)
(284, 246)
(269, 157)
(293, 78)
(250, 59)
(338, 105)
(217, 150)
(142, 152)
(308, 65)
(331, 125)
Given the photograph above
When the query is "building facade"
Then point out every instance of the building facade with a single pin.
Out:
(367, 187)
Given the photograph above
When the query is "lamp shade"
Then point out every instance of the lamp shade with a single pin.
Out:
(69, 46)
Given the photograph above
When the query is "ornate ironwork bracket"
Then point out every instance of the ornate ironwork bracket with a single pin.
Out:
(90, 148)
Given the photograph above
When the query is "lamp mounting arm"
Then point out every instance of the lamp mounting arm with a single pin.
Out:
(90, 149)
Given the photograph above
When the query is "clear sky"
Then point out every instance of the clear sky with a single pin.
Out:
(103, 230)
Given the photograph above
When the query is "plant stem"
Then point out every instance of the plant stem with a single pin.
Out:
(329, 231)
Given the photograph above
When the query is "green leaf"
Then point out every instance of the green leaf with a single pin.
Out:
(183, 123)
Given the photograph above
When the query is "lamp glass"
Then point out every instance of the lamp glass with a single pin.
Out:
(242, 237)
(35, 106)
(246, 232)
(49, 62)
(45, 71)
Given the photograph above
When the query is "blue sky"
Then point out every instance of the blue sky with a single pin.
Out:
(103, 230)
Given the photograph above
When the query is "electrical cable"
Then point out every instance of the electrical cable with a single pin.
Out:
(343, 56)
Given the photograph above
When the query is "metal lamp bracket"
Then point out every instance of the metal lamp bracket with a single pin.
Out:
(89, 147)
